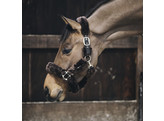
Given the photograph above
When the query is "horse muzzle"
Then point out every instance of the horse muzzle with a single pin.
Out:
(54, 95)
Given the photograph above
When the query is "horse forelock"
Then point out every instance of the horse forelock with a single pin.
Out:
(66, 32)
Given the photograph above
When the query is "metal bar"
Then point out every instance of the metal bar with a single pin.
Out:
(52, 41)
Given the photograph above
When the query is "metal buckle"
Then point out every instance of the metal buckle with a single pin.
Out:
(89, 61)
(86, 41)
(66, 75)
(89, 64)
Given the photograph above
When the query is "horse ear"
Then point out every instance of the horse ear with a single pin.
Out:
(72, 23)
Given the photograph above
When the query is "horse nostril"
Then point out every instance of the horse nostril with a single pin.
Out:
(60, 91)
(59, 94)
(46, 91)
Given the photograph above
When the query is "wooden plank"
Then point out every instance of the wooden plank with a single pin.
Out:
(29, 76)
(40, 41)
(129, 80)
(52, 41)
(113, 80)
(139, 78)
(92, 90)
(81, 111)
(25, 76)
(39, 59)
(110, 74)
(139, 65)
(74, 96)
(117, 74)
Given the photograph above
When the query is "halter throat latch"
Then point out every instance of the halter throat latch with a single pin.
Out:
(87, 50)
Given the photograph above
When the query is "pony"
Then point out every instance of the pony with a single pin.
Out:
(85, 39)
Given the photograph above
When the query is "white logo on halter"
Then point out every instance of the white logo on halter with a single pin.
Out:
(86, 41)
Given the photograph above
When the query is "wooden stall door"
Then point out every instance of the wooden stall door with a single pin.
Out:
(115, 77)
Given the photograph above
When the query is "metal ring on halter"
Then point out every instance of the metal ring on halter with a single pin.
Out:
(86, 41)
(66, 75)
(87, 58)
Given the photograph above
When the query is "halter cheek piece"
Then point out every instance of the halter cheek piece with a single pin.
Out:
(69, 75)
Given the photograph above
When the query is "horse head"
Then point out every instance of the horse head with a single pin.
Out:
(77, 55)
(85, 39)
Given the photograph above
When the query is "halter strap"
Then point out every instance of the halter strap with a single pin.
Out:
(69, 75)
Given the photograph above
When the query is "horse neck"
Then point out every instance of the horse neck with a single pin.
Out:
(115, 20)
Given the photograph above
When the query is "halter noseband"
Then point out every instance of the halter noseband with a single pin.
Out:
(69, 75)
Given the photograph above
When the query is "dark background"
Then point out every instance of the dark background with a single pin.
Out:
(42, 16)
(116, 78)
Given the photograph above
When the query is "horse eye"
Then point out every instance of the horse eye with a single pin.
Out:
(66, 51)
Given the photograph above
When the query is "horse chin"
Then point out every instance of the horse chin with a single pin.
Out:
(59, 97)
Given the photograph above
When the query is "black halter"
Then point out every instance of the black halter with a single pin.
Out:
(69, 75)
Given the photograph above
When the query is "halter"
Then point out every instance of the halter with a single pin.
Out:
(69, 75)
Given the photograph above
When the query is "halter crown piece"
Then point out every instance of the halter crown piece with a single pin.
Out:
(69, 75)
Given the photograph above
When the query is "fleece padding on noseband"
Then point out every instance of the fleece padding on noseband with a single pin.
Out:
(55, 70)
